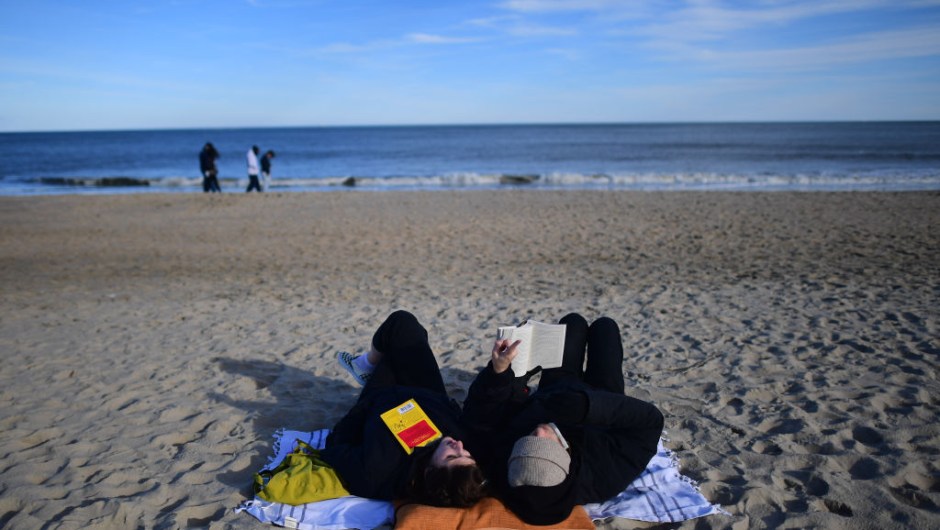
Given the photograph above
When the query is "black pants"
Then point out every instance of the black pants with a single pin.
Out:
(253, 183)
(604, 368)
(210, 182)
(407, 359)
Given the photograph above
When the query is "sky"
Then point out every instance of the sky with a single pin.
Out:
(157, 64)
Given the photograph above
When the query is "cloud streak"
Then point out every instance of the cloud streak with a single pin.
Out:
(427, 38)
(702, 21)
(876, 46)
(711, 32)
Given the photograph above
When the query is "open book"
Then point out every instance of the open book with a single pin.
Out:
(542, 345)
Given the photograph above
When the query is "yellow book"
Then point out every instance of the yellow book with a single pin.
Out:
(411, 426)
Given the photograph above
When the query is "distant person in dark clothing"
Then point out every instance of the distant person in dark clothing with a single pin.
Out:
(578, 439)
(266, 169)
(252, 159)
(210, 173)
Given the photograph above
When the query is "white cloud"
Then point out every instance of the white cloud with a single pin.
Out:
(875, 46)
(695, 20)
(564, 53)
(493, 22)
(426, 38)
(712, 20)
(345, 47)
(533, 30)
(518, 26)
(541, 6)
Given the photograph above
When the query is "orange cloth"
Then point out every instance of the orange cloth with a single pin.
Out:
(488, 514)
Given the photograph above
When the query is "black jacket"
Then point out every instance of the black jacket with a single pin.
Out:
(612, 439)
(365, 454)
(207, 160)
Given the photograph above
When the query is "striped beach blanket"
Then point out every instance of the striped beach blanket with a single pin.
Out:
(660, 494)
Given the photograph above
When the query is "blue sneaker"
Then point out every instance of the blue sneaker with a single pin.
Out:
(347, 361)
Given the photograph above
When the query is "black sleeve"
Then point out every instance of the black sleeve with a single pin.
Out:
(492, 398)
(621, 436)
(622, 412)
(350, 428)
(364, 456)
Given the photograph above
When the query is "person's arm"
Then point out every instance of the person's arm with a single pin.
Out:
(622, 412)
(350, 428)
(633, 427)
(621, 435)
(493, 390)
(365, 462)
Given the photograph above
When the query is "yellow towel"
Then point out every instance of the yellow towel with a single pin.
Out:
(301, 478)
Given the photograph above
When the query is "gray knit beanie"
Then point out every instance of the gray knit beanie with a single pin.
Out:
(538, 462)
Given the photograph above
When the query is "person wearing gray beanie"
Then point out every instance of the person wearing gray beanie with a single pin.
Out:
(578, 439)
(538, 461)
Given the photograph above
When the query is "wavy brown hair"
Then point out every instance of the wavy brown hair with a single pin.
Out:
(448, 487)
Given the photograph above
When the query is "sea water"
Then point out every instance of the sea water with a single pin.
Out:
(725, 156)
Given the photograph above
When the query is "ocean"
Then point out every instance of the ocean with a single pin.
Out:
(724, 156)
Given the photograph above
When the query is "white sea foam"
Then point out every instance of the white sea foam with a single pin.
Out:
(651, 181)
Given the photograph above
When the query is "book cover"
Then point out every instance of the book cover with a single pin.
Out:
(410, 425)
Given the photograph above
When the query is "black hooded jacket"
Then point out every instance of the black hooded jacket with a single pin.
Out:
(365, 453)
(612, 438)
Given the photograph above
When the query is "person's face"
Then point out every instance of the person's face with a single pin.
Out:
(544, 430)
(450, 453)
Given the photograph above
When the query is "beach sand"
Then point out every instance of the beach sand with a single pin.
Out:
(152, 344)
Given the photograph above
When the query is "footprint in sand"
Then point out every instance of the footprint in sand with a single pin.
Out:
(836, 507)
(867, 436)
(766, 448)
(808, 482)
(923, 482)
(865, 469)
(9, 508)
(914, 498)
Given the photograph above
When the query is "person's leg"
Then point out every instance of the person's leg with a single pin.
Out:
(406, 357)
(572, 364)
(604, 356)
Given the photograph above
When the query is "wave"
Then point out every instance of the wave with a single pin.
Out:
(823, 181)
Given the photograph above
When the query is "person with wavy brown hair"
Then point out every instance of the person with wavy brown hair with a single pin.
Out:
(369, 459)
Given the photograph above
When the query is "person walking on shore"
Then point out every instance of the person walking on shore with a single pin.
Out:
(252, 158)
(266, 169)
(576, 440)
(210, 173)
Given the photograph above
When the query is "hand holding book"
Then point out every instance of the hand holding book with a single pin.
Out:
(541, 345)
(504, 352)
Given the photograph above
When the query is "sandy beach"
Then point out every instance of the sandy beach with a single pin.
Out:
(152, 344)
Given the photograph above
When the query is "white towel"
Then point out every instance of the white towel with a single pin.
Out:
(660, 494)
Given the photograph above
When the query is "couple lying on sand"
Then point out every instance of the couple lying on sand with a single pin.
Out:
(576, 440)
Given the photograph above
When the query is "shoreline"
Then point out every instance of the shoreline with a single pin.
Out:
(645, 183)
(152, 343)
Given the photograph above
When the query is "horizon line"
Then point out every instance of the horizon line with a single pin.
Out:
(479, 124)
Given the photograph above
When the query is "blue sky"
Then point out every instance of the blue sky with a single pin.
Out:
(97, 64)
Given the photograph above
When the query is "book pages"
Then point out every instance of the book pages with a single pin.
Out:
(542, 345)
